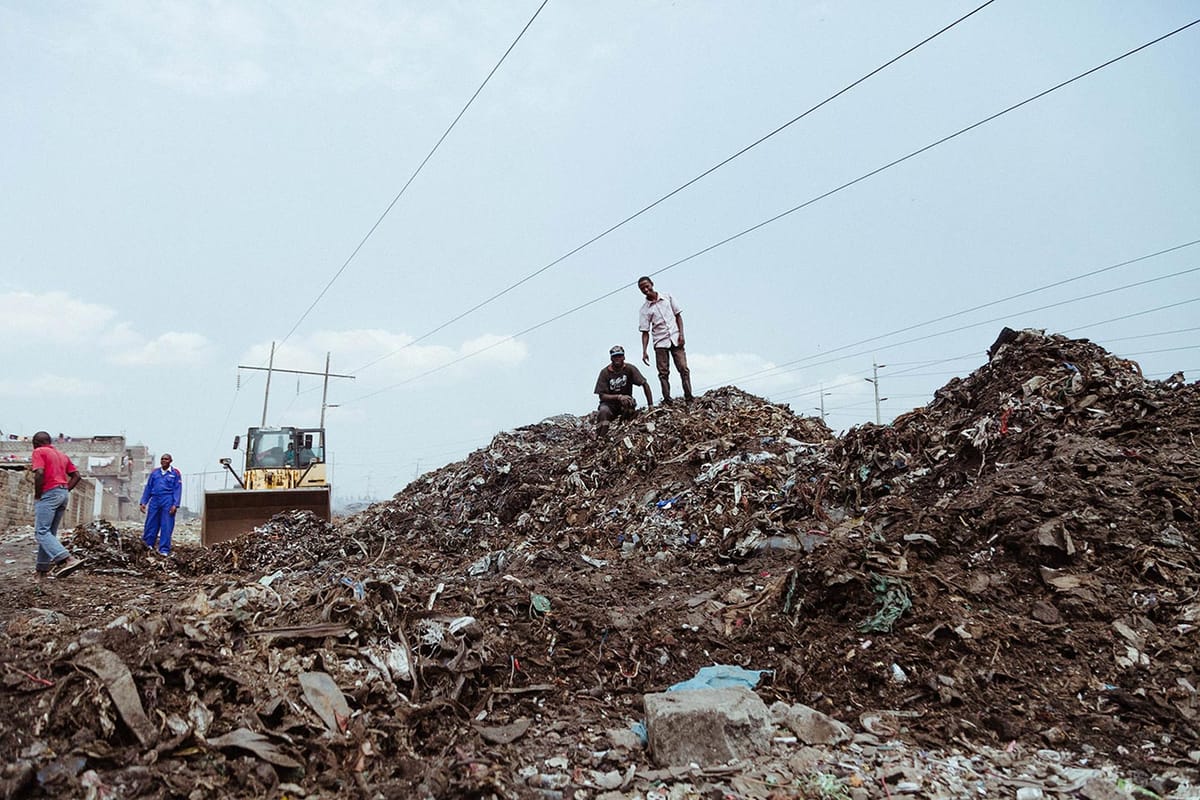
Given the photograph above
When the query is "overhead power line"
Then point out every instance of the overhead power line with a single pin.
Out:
(1008, 317)
(1163, 350)
(678, 189)
(1151, 335)
(1124, 317)
(799, 207)
(909, 373)
(973, 309)
(416, 172)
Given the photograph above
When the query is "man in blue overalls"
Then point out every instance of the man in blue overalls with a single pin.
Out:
(163, 492)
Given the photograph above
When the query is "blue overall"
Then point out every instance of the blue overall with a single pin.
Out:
(163, 490)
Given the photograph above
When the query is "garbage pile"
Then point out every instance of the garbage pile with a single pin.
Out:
(707, 475)
(996, 593)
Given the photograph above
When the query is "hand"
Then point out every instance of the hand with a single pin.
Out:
(142, 506)
(681, 338)
(645, 358)
(627, 401)
(172, 510)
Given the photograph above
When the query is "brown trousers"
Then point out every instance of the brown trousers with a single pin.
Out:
(663, 356)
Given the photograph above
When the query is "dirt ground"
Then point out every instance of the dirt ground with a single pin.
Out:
(998, 593)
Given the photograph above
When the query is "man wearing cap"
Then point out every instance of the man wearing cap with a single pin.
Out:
(661, 319)
(615, 387)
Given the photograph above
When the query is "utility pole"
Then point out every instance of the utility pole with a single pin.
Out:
(875, 381)
(822, 407)
(325, 390)
(267, 393)
(271, 368)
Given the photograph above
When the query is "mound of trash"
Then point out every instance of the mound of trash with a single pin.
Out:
(996, 592)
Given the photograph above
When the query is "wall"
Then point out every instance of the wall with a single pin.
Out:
(16, 501)
(120, 470)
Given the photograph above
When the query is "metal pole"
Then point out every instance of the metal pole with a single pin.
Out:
(875, 383)
(822, 403)
(267, 392)
(325, 390)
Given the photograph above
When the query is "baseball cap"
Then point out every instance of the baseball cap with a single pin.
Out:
(616, 350)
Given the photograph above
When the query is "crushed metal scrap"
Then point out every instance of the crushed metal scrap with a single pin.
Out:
(997, 593)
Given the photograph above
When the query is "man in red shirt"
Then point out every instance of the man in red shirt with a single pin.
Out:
(54, 476)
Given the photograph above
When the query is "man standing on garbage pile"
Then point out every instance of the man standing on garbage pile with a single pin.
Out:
(661, 319)
(163, 493)
(615, 387)
(54, 476)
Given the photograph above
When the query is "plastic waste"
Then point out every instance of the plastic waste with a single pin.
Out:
(360, 590)
(720, 676)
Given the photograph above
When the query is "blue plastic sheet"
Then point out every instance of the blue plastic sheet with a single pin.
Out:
(720, 676)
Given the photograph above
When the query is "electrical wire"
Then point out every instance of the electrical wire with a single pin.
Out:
(1151, 335)
(910, 374)
(1124, 317)
(980, 307)
(904, 373)
(1010, 316)
(228, 414)
(416, 172)
(803, 205)
(677, 190)
(1163, 350)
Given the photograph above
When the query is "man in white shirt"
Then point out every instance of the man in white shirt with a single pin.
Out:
(661, 320)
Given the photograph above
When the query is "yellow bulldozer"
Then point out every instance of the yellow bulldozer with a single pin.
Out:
(284, 470)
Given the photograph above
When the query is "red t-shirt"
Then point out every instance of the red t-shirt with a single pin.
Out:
(55, 467)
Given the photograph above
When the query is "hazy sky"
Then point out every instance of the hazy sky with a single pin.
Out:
(179, 182)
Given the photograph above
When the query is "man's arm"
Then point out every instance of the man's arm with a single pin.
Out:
(146, 493)
(39, 479)
(177, 495)
(649, 397)
(72, 479)
(679, 324)
(645, 344)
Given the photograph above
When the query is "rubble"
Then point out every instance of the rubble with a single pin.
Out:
(707, 726)
(995, 595)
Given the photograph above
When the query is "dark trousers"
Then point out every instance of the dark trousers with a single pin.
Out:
(663, 356)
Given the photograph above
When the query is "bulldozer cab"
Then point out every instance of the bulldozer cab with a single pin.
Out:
(284, 471)
(271, 448)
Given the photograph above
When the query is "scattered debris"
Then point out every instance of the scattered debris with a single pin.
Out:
(995, 595)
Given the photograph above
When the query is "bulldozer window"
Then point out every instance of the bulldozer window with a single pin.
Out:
(269, 448)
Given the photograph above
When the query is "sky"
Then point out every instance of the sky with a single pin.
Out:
(186, 183)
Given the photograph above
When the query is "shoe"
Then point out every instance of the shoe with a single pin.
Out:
(66, 567)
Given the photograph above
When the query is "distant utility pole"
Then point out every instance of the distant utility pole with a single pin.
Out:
(271, 368)
(824, 394)
(875, 380)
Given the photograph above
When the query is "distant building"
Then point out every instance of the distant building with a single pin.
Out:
(119, 470)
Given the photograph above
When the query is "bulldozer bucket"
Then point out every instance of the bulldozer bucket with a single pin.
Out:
(229, 513)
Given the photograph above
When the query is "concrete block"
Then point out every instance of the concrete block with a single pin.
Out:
(706, 726)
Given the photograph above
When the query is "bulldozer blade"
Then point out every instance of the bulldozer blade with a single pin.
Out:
(229, 513)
